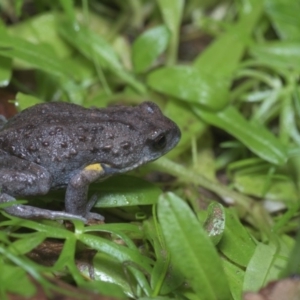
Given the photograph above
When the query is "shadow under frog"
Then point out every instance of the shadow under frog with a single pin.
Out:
(62, 145)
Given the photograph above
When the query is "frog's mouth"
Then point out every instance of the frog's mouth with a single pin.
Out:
(110, 170)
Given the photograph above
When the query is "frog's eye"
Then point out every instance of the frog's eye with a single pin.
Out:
(160, 142)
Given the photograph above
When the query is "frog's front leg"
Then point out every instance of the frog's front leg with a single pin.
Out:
(76, 202)
(21, 178)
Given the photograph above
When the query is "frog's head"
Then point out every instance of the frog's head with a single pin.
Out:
(160, 133)
(151, 135)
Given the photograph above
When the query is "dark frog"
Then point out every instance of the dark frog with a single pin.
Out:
(61, 145)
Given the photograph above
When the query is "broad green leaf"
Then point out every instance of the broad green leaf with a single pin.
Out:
(24, 101)
(69, 9)
(268, 262)
(90, 45)
(118, 252)
(97, 50)
(18, 7)
(279, 53)
(215, 60)
(41, 29)
(148, 46)
(236, 243)
(259, 269)
(107, 269)
(165, 277)
(235, 277)
(66, 260)
(293, 264)
(189, 124)
(15, 280)
(27, 243)
(222, 56)
(126, 191)
(132, 259)
(256, 137)
(191, 248)
(172, 12)
(51, 230)
(279, 189)
(40, 56)
(284, 16)
(188, 83)
(5, 70)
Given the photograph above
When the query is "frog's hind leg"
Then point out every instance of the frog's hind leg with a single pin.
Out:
(20, 178)
(30, 212)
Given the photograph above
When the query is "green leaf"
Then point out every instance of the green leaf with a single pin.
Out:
(172, 12)
(24, 101)
(190, 125)
(96, 49)
(118, 252)
(256, 137)
(15, 280)
(5, 70)
(188, 83)
(279, 189)
(293, 264)
(280, 54)
(107, 269)
(69, 9)
(125, 190)
(259, 267)
(235, 277)
(236, 243)
(40, 29)
(132, 259)
(165, 278)
(267, 262)
(222, 56)
(148, 46)
(40, 56)
(191, 248)
(27, 243)
(285, 17)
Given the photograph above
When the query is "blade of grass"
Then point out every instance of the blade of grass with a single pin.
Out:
(256, 137)
(191, 248)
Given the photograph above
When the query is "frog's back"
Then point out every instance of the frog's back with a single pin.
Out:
(43, 134)
(52, 133)
(45, 113)
(64, 137)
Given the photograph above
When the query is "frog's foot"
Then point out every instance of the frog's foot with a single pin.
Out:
(90, 215)
(94, 216)
(30, 212)
(92, 201)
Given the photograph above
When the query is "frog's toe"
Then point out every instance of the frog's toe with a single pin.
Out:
(94, 216)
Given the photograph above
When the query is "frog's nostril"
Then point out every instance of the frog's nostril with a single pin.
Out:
(125, 145)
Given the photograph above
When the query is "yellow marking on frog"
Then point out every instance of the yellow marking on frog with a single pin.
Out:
(94, 167)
